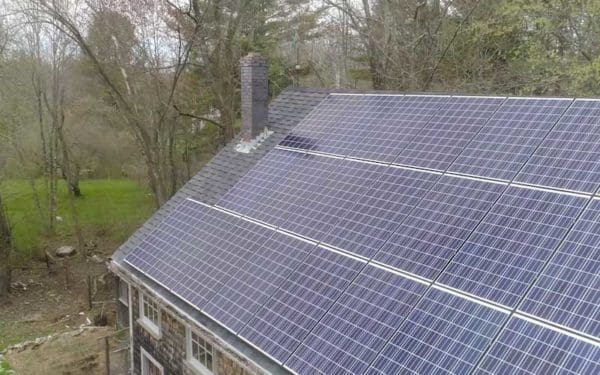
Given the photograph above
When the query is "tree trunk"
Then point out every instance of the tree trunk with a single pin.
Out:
(374, 57)
(5, 246)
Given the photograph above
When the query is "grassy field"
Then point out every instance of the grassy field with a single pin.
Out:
(110, 208)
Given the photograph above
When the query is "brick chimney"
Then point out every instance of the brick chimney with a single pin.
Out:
(255, 93)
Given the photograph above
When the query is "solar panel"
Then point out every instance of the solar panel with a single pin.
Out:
(436, 229)
(569, 157)
(374, 127)
(444, 334)
(328, 127)
(310, 174)
(257, 279)
(319, 207)
(358, 325)
(314, 309)
(392, 130)
(281, 324)
(510, 137)
(448, 132)
(272, 169)
(375, 215)
(196, 249)
(568, 290)
(526, 348)
(510, 247)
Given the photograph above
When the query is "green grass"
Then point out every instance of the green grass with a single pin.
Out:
(5, 368)
(112, 208)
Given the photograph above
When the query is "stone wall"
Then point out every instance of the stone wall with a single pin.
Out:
(170, 349)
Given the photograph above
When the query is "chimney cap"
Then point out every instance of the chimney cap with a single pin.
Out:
(253, 56)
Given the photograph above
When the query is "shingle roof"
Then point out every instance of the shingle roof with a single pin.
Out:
(228, 166)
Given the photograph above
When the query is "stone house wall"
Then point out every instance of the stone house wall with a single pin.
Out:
(170, 349)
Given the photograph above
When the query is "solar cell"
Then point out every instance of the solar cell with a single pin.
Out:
(436, 229)
(444, 334)
(272, 169)
(358, 325)
(257, 279)
(280, 325)
(510, 137)
(509, 248)
(526, 348)
(374, 216)
(568, 290)
(196, 249)
(374, 127)
(446, 134)
(321, 204)
(569, 157)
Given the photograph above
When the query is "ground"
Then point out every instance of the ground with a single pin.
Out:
(46, 306)
(46, 303)
(78, 352)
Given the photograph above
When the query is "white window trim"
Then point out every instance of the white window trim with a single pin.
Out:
(192, 362)
(146, 355)
(124, 299)
(152, 328)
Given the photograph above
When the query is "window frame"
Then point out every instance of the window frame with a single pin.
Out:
(144, 355)
(195, 364)
(123, 298)
(154, 328)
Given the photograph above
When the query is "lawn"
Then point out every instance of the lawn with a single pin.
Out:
(109, 208)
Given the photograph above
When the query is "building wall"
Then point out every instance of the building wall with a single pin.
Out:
(170, 349)
(122, 309)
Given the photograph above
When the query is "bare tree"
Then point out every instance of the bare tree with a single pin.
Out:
(143, 84)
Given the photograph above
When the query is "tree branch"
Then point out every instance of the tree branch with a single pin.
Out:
(191, 115)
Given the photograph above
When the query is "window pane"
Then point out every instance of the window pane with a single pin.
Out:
(209, 362)
(153, 369)
(195, 350)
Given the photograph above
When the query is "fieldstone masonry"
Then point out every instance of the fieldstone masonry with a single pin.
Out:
(255, 95)
(170, 349)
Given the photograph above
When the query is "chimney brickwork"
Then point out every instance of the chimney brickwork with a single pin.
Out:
(255, 94)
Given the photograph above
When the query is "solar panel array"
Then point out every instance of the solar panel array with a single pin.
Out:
(406, 234)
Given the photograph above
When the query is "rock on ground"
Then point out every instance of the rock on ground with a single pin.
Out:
(65, 251)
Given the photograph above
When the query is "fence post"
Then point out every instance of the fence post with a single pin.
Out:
(89, 285)
(107, 355)
(66, 274)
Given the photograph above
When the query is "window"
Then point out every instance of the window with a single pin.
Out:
(124, 292)
(200, 353)
(150, 366)
(150, 315)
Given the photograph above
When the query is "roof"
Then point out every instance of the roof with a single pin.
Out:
(210, 184)
(391, 232)
(228, 165)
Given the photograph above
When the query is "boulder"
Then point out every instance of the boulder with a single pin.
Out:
(65, 251)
